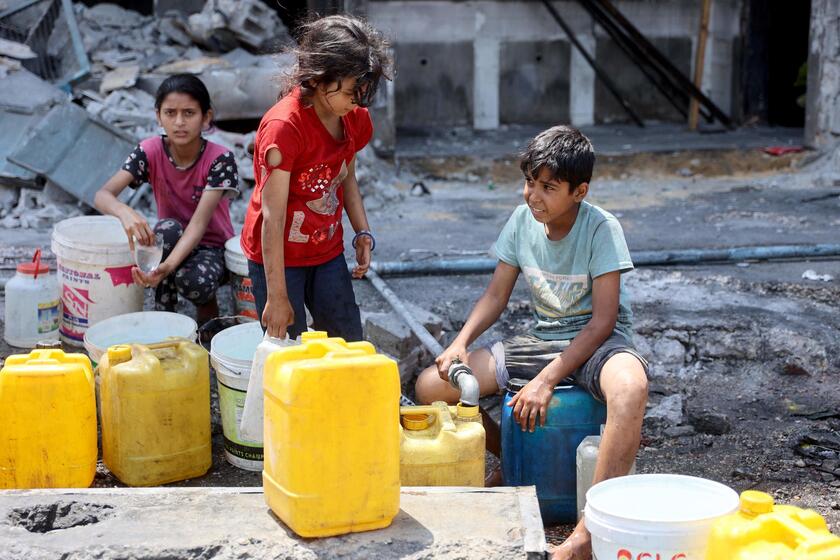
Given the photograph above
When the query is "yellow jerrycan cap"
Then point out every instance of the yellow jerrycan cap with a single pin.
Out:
(119, 354)
(417, 422)
(754, 502)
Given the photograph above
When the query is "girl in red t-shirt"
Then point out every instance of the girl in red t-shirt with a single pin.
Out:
(304, 164)
(192, 181)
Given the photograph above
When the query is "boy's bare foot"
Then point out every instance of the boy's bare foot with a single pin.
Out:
(493, 478)
(577, 547)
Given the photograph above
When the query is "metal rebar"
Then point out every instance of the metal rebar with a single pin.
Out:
(650, 50)
(598, 71)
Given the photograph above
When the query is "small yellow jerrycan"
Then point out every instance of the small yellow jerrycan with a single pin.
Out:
(155, 412)
(332, 442)
(441, 445)
(763, 531)
(47, 421)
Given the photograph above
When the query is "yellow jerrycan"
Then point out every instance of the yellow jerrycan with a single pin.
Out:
(155, 412)
(331, 436)
(441, 445)
(761, 530)
(47, 421)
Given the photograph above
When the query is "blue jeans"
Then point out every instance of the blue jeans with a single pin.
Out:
(325, 289)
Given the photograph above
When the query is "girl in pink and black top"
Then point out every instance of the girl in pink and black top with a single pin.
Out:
(192, 181)
(305, 166)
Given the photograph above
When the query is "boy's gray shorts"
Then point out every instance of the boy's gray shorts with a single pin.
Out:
(525, 356)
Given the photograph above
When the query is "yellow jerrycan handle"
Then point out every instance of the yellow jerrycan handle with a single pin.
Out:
(439, 411)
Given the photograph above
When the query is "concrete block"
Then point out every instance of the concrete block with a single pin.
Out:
(534, 85)
(24, 92)
(389, 333)
(486, 83)
(435, 86)
(252, 21)
(643, 97)
(196, 523)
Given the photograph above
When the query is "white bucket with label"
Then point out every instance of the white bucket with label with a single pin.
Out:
(94, 274)
(231, 353)
(663, 516)
(143, 327)
(240, 282)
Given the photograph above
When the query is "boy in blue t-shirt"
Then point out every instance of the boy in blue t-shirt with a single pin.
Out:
(572, 254)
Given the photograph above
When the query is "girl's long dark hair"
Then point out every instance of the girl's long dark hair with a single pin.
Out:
(336, 47)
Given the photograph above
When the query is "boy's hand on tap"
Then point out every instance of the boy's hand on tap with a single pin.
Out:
(455, 350)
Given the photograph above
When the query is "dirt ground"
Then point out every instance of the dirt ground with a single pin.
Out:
(744, 355)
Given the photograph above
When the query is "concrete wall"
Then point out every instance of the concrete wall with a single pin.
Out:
(822, 111)
(490, 73)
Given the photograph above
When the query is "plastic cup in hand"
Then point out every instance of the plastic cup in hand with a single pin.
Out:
(148, 257)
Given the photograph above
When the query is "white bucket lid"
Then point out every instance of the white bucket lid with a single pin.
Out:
(97, 240)
(233, 349)
(235, 260)
(669, 506)
(142, 327)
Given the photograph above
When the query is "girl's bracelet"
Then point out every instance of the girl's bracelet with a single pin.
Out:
(365, 233)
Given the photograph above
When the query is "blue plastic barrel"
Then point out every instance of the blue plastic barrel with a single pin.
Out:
(545, 458)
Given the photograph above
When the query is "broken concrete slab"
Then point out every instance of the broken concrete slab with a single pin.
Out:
(221, 23)
(16, 50)
(389, 333)
(119, 78)
(61, 146)
(433, 523)
(24, 92)
(241, 93)
(193, 66)
(15, 127)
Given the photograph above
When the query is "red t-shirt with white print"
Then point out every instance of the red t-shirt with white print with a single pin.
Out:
(317, 164)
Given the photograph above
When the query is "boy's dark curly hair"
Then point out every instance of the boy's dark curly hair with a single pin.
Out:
(336, 47)
(564, 151)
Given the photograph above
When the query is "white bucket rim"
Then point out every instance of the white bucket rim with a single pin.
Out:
(235, 259)
(71, 235)
(599, 521)
(168, 318)
(232, 367)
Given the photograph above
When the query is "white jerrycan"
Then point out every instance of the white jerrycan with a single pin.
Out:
(585, 459)
(251, 426)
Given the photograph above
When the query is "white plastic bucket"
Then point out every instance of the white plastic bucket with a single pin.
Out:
(94, 274)
(231, 353)
(650, 516)
(240, 282)
(143, 327)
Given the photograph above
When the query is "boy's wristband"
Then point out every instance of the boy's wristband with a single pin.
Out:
(366, 233)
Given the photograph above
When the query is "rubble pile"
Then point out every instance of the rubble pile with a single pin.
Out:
(109, 102)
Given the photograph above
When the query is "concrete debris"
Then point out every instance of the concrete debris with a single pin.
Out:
(175, 27)
(709, 422)
(16, 50)
(61, 145)
(669, 411)
(36, 210)
(251, 22)
(8, 65)
(812, 275)
(24, 92)
(119, 78)
(195, 66)
(389, 332)
(376, 178)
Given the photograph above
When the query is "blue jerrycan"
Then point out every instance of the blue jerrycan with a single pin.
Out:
(546, 457)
